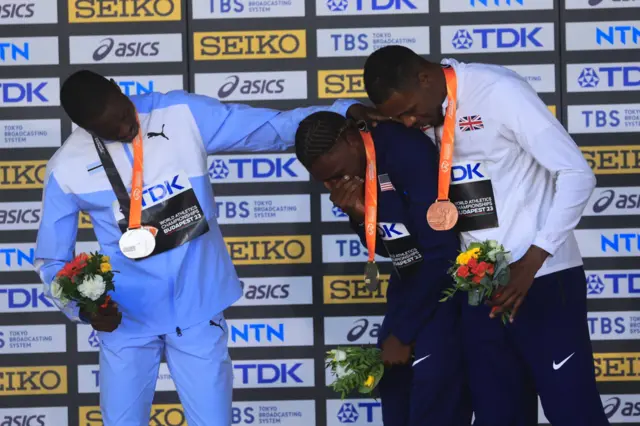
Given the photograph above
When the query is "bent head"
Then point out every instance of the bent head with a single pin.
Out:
(405, 86)
(99, 106)
(329, 146)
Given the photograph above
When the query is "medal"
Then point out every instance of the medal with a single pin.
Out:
(371, 273)
(137, 243)
(443, 214)
(371, 276)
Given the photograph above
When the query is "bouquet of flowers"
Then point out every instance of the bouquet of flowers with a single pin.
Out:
(85, 280)
(480, 271)
(355, 369)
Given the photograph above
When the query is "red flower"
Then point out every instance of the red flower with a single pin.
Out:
(490, 269)
(476, 279)
(480, 269)
(472, 263)
(74, 267)
(106, 302)
(463, 271)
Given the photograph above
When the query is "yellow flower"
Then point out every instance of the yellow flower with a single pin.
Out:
(474, 252)
(105, 267)
(463, 258)
(105, 259)
(369, 382)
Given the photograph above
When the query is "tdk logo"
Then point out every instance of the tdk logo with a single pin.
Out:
(266, 168)
(375, 5)
(498, 38)
(268, 373)
(467, 172)
(610, 77)
(257, 333)
(496, 2)
(158, 193)
(14, 51)
(350, 413)
(93, 340)
(24, 298)
(594, 284)
(20, 93)
(613, 284)
(337, 212)
(614, 35)
(392, 231)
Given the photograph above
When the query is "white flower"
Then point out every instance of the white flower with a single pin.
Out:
(342, 371)
(56, 291)
(92, 287)
(492, 244)
(508, 257)
(339, 355)
(492, 255)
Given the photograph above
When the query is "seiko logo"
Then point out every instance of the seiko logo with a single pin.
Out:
(32, 380)
(124, 9)
(250, 87)
(361, 327)
(125, 50)
(256, 44)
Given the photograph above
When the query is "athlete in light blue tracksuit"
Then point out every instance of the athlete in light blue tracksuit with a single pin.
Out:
(171, 302)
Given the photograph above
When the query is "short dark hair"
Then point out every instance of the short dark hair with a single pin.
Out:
(84, 96)
(390, 69)
(317, 134)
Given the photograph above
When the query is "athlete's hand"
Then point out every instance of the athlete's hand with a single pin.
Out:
(106, 319)
(348, 195)
(522, 273)
(395, 352)
(370, 115)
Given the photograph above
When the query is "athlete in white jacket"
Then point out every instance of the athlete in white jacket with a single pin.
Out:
(171, 301)
(517, 177)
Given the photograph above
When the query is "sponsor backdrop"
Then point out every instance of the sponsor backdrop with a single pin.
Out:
(301, 269)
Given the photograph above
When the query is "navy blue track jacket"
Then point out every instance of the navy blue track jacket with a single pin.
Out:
(407, 167)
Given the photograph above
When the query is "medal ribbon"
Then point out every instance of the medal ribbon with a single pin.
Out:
(448, 131)
(135, 212)
(370, 195)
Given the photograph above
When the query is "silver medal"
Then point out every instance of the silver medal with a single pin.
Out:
(137, 243)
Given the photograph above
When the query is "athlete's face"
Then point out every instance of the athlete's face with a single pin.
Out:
(418, 106)
(118, 120)
(346, 158)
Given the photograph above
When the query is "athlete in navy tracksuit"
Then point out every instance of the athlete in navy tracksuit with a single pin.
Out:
(431, 389)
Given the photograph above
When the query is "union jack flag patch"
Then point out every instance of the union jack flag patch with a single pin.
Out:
(471, 122)
(385, 183)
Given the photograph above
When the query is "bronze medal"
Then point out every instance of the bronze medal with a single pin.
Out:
(442, 215)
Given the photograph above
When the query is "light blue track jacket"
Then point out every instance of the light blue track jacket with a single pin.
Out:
(190, 283)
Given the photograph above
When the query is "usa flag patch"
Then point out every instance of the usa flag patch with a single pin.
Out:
(471, 122)
(385, 183)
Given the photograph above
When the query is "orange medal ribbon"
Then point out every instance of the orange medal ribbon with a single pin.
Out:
(138, 241)
(135, 212)
(443, 214)
(371, 272)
